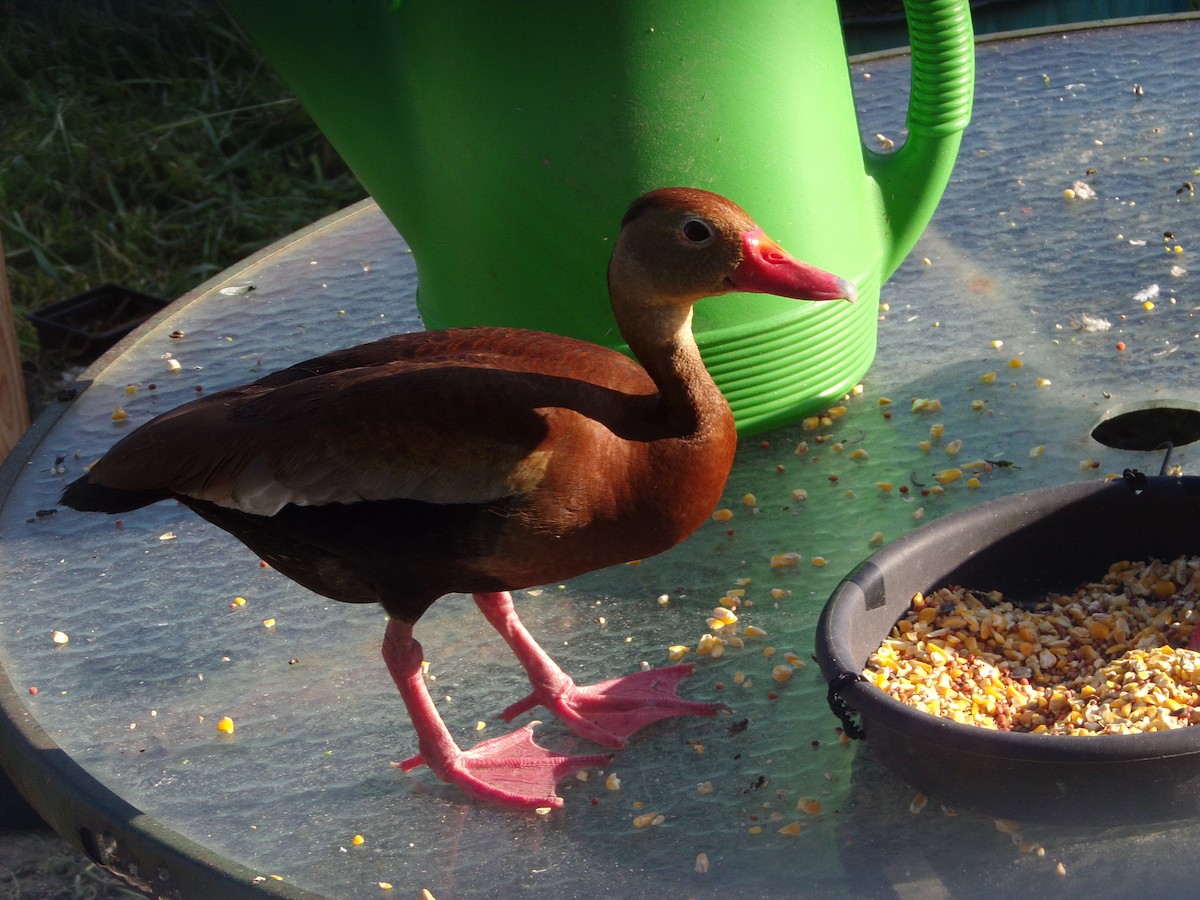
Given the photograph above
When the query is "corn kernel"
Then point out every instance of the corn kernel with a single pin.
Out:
(987, 378)
(755, 631)
(722, 515)
(358, 840)
(724, 616)
(612, 782)
(1015, 363)
(701, 863)
(706, 644)
(225, 725)
(785, 560)
(792, 828)
(936, 431)
(749, 500)
(809, 805)
(948, 476)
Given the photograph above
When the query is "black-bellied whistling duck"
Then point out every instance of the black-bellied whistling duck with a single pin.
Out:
(479, 461)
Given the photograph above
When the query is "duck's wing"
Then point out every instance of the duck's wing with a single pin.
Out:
(464, 427)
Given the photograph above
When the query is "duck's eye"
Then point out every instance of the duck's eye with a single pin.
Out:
(697, 230)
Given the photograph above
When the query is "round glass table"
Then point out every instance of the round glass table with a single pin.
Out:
(1024, 317)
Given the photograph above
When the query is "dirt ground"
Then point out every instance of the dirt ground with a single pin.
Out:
(36, 864)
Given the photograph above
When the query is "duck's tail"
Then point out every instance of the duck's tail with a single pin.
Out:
(87, 496)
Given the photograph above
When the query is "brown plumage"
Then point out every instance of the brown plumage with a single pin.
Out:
(479, 461)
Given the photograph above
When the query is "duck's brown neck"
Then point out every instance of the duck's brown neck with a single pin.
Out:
(661, 339)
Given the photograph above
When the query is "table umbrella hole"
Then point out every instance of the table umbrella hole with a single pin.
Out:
(1149, 425)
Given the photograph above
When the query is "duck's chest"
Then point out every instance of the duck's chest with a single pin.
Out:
(587, 515)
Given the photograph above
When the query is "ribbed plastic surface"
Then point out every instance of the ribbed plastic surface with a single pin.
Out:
(943, 76)
(774, 371)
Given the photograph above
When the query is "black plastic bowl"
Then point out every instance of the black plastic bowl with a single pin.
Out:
(1026, 545)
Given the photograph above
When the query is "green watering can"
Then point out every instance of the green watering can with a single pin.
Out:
(505, 139)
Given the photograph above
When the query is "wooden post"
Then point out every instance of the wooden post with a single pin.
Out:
(14, 406)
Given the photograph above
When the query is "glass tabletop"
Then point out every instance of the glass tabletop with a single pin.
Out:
(1020, 320)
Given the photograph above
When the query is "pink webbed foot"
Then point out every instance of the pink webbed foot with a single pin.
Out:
(512, 770)
(610, 711)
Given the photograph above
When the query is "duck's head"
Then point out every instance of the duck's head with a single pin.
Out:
(678, 245)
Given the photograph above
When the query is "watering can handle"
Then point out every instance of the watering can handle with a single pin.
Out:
(911, 180)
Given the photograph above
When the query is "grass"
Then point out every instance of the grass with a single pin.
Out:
(147, 145)
(38, 865)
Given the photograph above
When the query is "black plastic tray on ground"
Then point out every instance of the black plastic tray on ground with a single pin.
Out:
(84, 326)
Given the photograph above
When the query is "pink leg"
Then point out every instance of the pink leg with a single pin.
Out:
(511, 769)
(608, 712)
